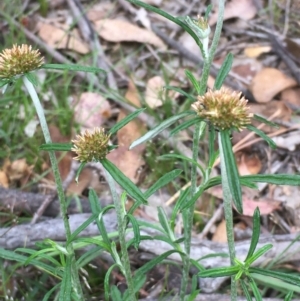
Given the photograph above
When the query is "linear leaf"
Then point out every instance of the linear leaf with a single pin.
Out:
(255, 233)
(262, 135)
(163, 181)
(72, 67)
(277, 179)
(64, 147)
(125, 120)
(124, 182)
(193, 80)
(223, 72)
(231, 171)
(158, 129)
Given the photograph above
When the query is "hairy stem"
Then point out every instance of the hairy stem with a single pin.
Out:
(60, 192)
(227, 199)
(121, 218)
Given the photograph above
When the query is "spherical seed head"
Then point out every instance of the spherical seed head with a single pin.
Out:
(224, 109)
(19, 60)
(91, 145)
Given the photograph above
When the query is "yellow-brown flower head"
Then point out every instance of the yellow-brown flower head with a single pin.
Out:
(19, 60)
(91, 145)
(224, 109)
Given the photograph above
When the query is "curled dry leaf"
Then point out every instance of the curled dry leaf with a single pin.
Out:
(60, 38)
(4, 182)
(155, 90)
(256, 51)
(244, 9)
(269, 82)
(248, 164)
(265, 206)
(122, 31)
(91, 110)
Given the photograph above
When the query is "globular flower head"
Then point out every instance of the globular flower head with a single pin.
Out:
(19, 60)
(91, 145)
(224, 109)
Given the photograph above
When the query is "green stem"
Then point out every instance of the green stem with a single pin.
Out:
(189, 212)
(227, 200)
(121, 218)
(60, 192)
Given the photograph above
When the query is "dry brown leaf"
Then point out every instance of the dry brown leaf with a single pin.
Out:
(220, 233)
(91, 110)
(100, 10)
(122, 31)
(60, 38)
(127, 161)
(254, 52)
(265, 207)
(154, 90)
(4, 182)
(248, 164)
(291, 95)
(17, 170)
(243, 9)
(269, 82)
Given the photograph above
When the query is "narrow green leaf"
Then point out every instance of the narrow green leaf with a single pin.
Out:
(125, 120)
(107, 280)
(193, 200)
(115, 294)
(95, 241)
(152, 263)
(124, 182)
(32, 78)
(255, 290)
(182, 157)
(4, 82)
(88, 256)
(193, 80)
(81, 167)
(50, 292)
(289, 296)
(212, 154)
(12, 255)
(213, 255)
(265, 121)
(66, 284)
(197, 265)
(136, 230)
(159, 128)
(185, 125)
(277, 179)
(96, 210)
(163, 220)
(207, 11)
(288, 278)
(176, 89)
(64, 147)
(245, 290)
(167, 16)
(243, 180)
(255, 233)
(274, 282)
(231, 171)
(83, 226)
(163, 181)
(219, 272)
(260, 252)
(71, 67)
(223, 72)
(260, 133)
(184, 194)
